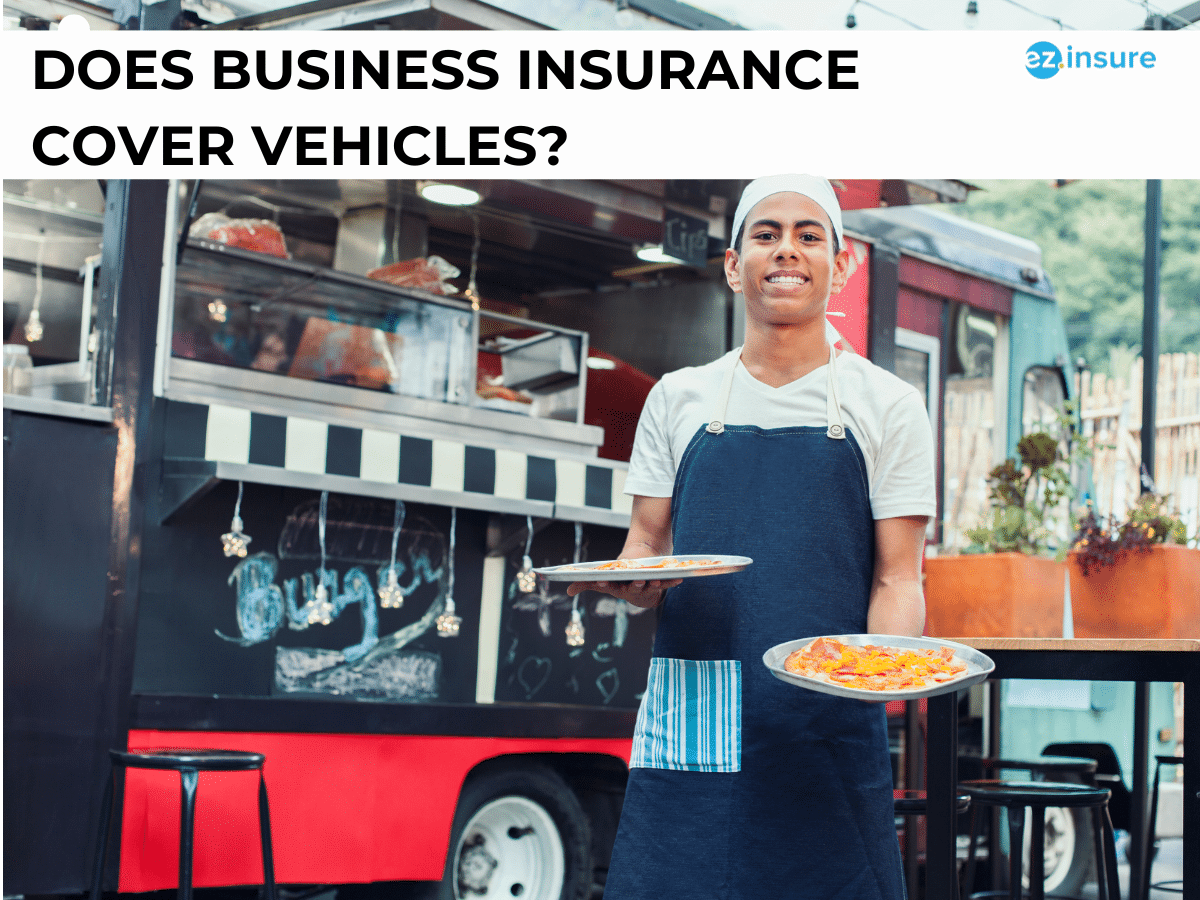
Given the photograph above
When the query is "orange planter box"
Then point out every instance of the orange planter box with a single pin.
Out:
(994, 595)
(1155, 594)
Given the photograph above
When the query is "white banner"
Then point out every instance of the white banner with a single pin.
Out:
(600, 104)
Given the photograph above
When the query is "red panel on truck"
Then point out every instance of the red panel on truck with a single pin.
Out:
(345, 808)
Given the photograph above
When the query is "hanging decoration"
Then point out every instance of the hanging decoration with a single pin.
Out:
(234, 542)
(526, 578)
(390, 594)
(472, 291)
(33, 325)
(575, 632)
(320, 607)
(449, 622)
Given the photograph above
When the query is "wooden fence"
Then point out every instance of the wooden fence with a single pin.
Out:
(1111, 409)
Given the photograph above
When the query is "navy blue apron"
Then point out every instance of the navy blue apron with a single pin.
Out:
(742, 786)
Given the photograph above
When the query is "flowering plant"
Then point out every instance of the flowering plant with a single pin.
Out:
(1029, 495)
(1100, 541)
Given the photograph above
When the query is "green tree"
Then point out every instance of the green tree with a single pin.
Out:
(1092, 238)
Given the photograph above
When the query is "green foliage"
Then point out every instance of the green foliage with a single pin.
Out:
(1100, 541)
(1092, 237)
(1029, 495)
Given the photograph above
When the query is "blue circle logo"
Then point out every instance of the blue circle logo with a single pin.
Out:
(1043, 60)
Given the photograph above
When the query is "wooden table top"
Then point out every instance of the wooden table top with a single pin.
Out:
(1072, 644)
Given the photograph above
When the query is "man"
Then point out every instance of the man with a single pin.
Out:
(819, 466)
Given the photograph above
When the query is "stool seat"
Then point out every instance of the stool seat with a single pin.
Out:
(1045, 765)
(1017, 796)
(1011, 794)
(913, 803)
(201, 760)
(189, 763)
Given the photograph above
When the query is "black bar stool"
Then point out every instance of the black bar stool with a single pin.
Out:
(913, 803)
(1016, 797)
(189, 764)
(1148, 856)
(1041, 767)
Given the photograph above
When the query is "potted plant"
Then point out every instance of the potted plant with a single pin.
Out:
(1136, 577)
(1007, 582)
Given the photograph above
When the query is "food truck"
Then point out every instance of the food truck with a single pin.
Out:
(290, 450)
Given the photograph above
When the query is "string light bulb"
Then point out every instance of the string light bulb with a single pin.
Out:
(390, 594)
(33, 327)
(449, 623)
(322, 606)
(235, 542)
(575, 630)
(526, 577)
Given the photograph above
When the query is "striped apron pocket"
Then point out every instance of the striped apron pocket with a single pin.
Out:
(691, 716)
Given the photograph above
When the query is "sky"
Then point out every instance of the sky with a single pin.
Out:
(947, 15)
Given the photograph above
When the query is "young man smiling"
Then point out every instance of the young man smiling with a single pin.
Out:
(818, 466)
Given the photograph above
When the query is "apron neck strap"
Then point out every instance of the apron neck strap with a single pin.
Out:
(833, 409)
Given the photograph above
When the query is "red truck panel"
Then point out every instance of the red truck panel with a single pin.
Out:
(345, 808)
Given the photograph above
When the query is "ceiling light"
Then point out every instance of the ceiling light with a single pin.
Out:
(448, 194)
(653, 253)
(599, 362)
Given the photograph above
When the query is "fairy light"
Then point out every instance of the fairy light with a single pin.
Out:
(390, 594)
(235, 542)
(472, 291)
(321, 607)
(575, 630)
(33, 325)
(449, 622)
(526, 578)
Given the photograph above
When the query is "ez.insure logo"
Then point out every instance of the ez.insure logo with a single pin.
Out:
(1044, 59)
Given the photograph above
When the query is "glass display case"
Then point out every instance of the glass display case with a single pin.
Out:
(292, 298)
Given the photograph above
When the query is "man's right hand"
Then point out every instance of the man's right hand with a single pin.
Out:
(645, 594)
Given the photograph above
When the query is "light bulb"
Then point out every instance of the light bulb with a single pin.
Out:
(526, 577)
(390, 595)
(33, 327)
(217, 310)
(575, 629)
(448, 623)
(234, 542)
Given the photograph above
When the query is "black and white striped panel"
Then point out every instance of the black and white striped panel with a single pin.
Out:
(578, 489)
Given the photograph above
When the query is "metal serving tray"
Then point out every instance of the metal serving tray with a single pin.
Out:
(979, 666)
(591, 571)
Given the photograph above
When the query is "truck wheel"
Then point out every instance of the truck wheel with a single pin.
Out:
(1068, 851)
(518, 832)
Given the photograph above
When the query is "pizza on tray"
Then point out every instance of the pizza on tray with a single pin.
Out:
(668, 563)
(874, 667)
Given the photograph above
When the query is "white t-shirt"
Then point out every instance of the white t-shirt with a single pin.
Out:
(886, 415)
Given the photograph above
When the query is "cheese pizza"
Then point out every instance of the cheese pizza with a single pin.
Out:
(669, 562)
(873, 667)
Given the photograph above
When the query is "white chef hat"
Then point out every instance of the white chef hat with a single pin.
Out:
(811, 186)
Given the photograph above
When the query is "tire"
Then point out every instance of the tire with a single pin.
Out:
(1068, 851)
(518, 832)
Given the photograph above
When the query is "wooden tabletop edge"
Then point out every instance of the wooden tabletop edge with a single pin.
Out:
(1080, 644)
